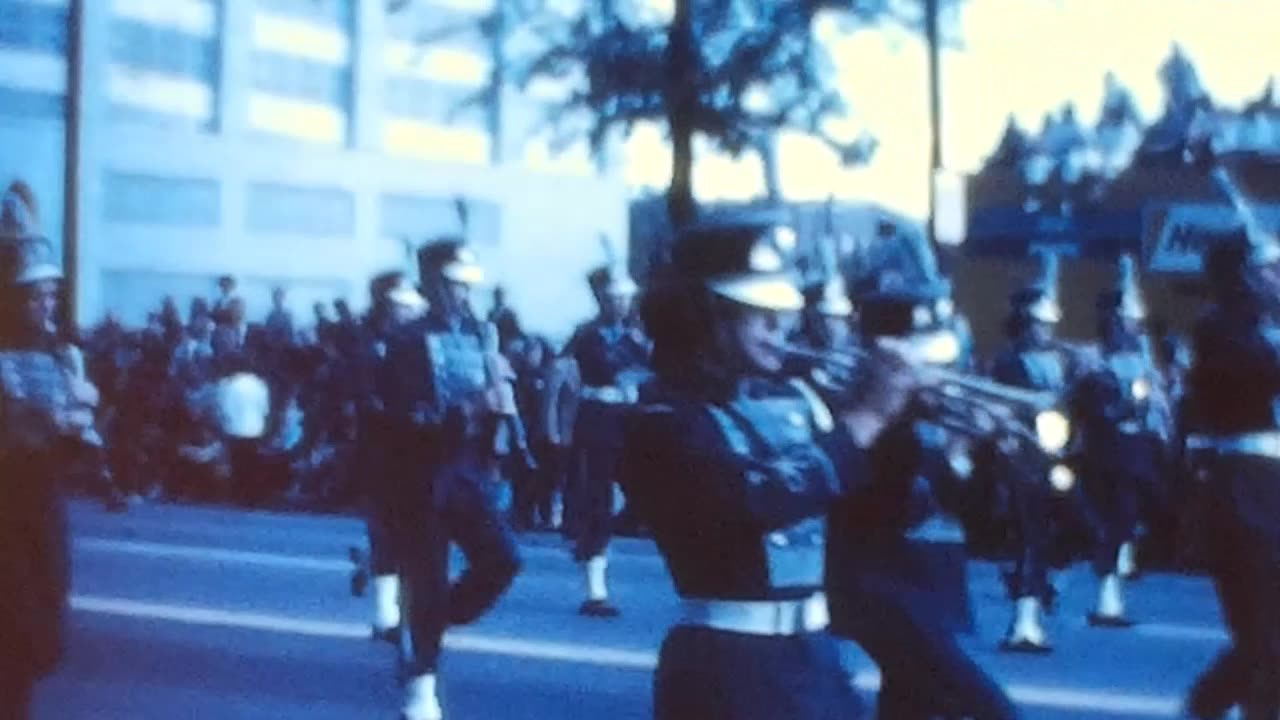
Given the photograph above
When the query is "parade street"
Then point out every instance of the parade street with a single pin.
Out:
(208, 614)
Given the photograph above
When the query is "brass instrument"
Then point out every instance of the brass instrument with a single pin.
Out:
(969, 405)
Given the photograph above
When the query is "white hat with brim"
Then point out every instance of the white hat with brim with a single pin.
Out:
(1046, 310)
(38, 273)
(406, 296)
(463, 272)
(777, 292)
(621, 287)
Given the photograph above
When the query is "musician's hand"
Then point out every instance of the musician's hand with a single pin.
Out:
(893, 376)
(73, 421)
(84, 393)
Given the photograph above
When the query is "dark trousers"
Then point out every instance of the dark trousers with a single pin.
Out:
(593, 475)
(1243, 524)
(456, 504)
(15, 698)
(382, 556)
(706, 674)
(1031, 531)
(248, 481)
(535, 489)
(1121, 488)
(925, 674)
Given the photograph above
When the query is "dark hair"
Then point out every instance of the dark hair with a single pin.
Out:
(677, 315)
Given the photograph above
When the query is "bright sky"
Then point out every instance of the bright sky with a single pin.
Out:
(1025, 57)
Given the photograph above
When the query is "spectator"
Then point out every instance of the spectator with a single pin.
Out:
(243, 402)
(226, 296)
(505, 319)
(199, 309)
(279, 323)
(171, 322)
(537, 490)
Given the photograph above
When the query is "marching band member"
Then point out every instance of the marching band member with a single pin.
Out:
(897, 566)
(734, 469)
(441, 395)
(1035, 361)
(1125, 425)
(1233, 392)
(611, 354)
(394, 303)
(46, 415)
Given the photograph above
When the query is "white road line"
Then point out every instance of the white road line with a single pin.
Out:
(191, 552)
(1173, 631)
(1079, 699)
(244, 557)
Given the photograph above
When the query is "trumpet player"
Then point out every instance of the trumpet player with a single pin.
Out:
(897, 566)
(1033, 360)
(734, 467)
(1126, 424)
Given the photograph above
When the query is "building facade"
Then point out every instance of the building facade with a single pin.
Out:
(301, 143)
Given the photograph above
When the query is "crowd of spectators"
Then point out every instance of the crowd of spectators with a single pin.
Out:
(213, 408)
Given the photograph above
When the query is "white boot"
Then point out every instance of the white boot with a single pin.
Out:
(597, 602)
(1110, 612)
(596, 571)
(1126, 561)
(1026, 634)
(420, 702)
(386, 603)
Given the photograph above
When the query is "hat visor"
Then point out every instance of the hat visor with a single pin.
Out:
(1133, 311)
(620, 288)
(938, 348)
(1046, 311)
(768, 292)
(407, 297)
(835, 306)
(465, 273)
(38, 273)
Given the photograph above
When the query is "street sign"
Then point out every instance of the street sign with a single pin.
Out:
(1178, 234)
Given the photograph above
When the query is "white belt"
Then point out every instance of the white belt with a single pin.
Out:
(759, 617)
(608, 394)
(1264, 444)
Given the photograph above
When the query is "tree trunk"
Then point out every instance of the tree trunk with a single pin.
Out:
(497, 109)
(682, 101)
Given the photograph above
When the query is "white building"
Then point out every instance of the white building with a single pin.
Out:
(291, 142)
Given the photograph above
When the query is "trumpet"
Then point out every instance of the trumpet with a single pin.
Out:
(966, 404)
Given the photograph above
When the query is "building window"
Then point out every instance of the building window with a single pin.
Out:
(432, 141)
(302, 69)
(164, 65)
(33, 66)
(447, 65)
(34, 26)
(155, 200)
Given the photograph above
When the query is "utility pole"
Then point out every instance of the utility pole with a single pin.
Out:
(72, 118)
(935, 113)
